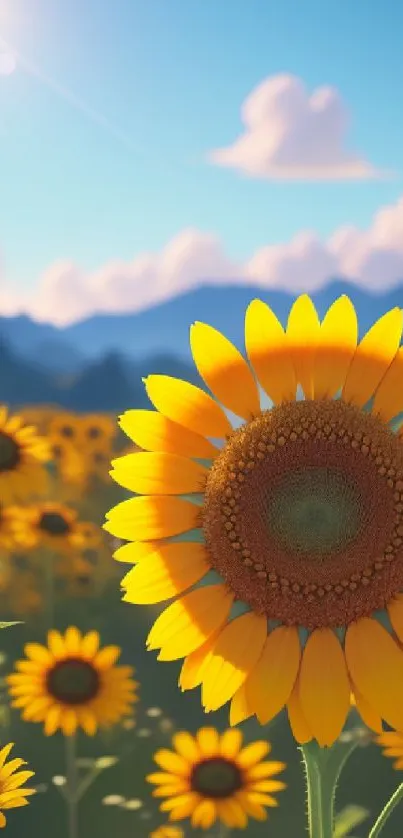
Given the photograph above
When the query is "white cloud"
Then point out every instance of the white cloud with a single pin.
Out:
(372, 258)
(8, 62)
(291, 135)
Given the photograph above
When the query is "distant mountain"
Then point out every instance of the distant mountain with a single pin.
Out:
(112, 384)
(164, 328)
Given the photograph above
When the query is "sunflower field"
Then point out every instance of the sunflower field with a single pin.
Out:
(202, 603)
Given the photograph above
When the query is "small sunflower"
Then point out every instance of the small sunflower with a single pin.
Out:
(167, 831)
(391, 741)
(69, 463)
(56, 526)
(210, 776)
(64, 427)
(13, 793)
(72, 683)
(22, 458)
(96, 430)
(293, 515)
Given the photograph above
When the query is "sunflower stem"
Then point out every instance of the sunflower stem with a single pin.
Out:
(393, 801)
(49, 589)
(322, 770)
(72, 784)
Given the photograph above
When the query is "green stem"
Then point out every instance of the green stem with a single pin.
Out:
(322, 770)
(49, 589)
(386, 812)
(72, 785)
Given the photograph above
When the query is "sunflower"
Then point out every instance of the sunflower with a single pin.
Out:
(22, 458)
(96, 430)
(72, 683)
(391, 741)
(54, 525)
(210, 776)
(13, 793)
(10, 517)
(167, 831)
(287, 525)
(64, 427)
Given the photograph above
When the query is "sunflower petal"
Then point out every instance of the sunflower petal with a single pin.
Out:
(239, 708)
(224, 370)
(172, 763)
(395, 611)
(154, 432)
(270, 684)
(368, 715)
(188, 405)
(337, 344)
(252, 754)
(187, 623)
(303, 329)
(167, 572)
(158, 473)
(268, 352)
(186, 746)
(204, 814)
(146, 518)
(235, 654)
(375, 663)
(324, 688)
(298, 722)
(230, 743)
(373, 356)
(388, 400)
(191, 674)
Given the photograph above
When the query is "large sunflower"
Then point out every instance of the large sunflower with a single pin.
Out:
(211, 776)
(299, 513)
(72, 683)
(22, 458)
(13, 793)
(56, 526)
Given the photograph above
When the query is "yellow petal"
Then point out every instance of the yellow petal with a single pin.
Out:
(395, 611)
(135, 551)
(69, 722)
(235, 654)
(5, 752)
(231, 813)
(88, 721)
(373, 356)
(188, 405)
(239, 708)
(302, 333)
(158, 474)
(324, 687)
(298, 722)
(3, 820)
(172, 763)
(167, 572)
(187, 623)
(72, 639)
(224, 370)
(180, 807)
(368, 715)
(204, 814)
(146, 518)
(56, 644)
(268, 352)
(107, 657)
(337, 344)
(388, 401)
(191, 674)
(52, 720)
(230, 743)
(38, 653)
(265, 769)
(208, 741)
(186, 746)
(375, 663)
(90, 644)
(270, 684)
(252, 754)
(154, 432)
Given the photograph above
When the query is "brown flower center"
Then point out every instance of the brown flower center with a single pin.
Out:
(303, 513)
(73, 681)
(9, 452)
(54, 523)
(216, 777)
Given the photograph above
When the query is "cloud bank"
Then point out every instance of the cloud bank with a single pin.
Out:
(291, 135)
(371, 258)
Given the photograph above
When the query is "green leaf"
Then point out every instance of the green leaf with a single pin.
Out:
(7, 625)
(347, 819)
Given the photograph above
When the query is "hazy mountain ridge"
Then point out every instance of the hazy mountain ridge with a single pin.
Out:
(164, 328)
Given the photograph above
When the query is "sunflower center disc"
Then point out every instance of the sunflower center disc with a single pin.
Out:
(216, 777)
(303, 513)
(93, 432)
(73, 681)
(9, 452)
(54, 523)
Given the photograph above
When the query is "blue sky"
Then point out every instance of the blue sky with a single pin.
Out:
(171, 76)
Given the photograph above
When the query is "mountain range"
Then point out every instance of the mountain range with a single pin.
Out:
(98, 363)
